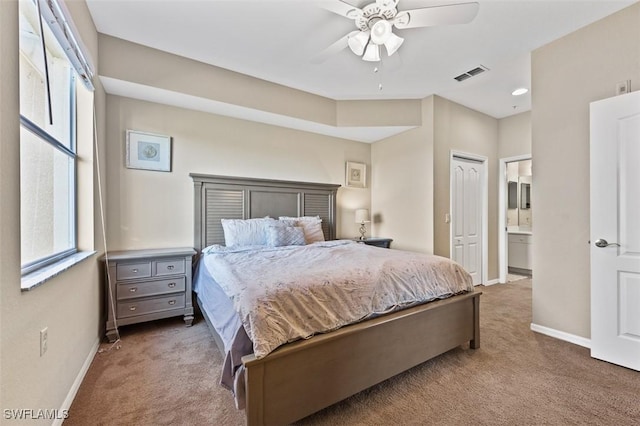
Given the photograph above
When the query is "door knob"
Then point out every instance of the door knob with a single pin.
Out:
(604, 243)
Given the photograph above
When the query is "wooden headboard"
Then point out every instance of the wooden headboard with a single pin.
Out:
(225, 197)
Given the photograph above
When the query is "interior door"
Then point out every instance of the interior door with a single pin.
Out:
(466, 221)
(615, 230)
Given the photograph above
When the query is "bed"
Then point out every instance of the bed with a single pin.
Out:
(305, 376)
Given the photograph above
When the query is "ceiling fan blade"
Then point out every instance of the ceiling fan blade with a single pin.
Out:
(462, 13)
(341, 8)
(333, 49)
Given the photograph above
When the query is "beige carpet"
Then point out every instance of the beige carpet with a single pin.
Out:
(515, 277)
(166, 373)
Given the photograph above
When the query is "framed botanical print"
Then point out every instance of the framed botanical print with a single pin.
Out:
(356, 175)
(148, 151)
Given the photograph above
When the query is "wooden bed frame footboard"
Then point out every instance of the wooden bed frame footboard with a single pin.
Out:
(301, 378)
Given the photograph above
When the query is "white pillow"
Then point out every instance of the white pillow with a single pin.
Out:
(311, 225)
(278, 236)
(246, 232)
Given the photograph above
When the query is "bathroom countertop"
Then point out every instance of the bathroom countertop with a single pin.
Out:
(519, 231)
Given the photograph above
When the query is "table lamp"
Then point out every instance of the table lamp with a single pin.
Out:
(362, 217)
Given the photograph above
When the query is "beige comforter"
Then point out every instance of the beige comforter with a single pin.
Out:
(284, 294)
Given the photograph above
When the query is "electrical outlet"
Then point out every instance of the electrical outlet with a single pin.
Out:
(623, 87)
(44, 340)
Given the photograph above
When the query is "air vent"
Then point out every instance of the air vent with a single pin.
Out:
(471, 73)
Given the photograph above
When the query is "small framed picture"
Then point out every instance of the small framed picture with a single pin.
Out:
(148, 151)
(356, 175)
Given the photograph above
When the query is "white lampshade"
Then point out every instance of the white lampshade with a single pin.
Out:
(393, 43)
(362, 216)
(381, 31)
(358, 42)
(372, 54)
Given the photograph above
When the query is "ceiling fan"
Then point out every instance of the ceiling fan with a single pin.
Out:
(376, 20)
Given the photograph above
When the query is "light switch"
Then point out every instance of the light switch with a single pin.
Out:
(447, 218)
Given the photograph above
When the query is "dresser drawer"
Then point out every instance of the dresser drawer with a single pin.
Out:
(150, 306)
(151, 288)
(520, 238)
(128, 271)
(169, 267)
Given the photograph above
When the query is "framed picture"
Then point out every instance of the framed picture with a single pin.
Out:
(356, 175)
(148, 151)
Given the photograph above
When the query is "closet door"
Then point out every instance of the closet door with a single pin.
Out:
(466, 221)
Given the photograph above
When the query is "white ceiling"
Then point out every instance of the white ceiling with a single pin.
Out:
(276, 40)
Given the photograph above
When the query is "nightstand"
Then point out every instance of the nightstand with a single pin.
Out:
(147, 285)
(375, 241)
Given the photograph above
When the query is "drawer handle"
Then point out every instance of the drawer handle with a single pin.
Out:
(172, 302)
(132, 308)
(133, 289)
(170, 267)
(135, 271)
(172, 285)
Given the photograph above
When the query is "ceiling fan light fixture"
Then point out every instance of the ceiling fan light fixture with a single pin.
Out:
(381, 31)
(358, 42)
(372, 53)
(393, 44)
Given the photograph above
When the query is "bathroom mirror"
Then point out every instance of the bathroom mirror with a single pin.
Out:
(525, 195)
(513, 195)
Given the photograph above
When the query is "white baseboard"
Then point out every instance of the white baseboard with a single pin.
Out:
(561, 335)
(76, 384)
(492, 282)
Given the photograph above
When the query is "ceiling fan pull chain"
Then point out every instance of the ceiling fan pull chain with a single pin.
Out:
(378, 70)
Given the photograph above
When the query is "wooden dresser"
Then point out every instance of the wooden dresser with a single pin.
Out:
(147, 285)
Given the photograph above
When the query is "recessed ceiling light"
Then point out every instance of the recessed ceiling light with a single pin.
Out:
(520, 91)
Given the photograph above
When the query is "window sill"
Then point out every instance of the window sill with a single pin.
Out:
(39, 277)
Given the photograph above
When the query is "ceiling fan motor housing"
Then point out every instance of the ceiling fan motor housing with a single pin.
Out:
(372, 13)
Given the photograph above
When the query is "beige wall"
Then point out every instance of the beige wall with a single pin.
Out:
(402, 186)
(407, 112)
(150, 209)
(410, 177)
(465, 130)
(69, 304)
(9, 170)
(139, 64)
(567, 75)
(514, 135)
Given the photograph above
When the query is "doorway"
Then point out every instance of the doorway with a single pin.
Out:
(515, 219)
(469, 211)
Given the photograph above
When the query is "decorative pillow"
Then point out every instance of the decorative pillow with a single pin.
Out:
(278, 236)
(312, 226)
(246, 232)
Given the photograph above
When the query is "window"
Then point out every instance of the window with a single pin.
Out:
(47, 137)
